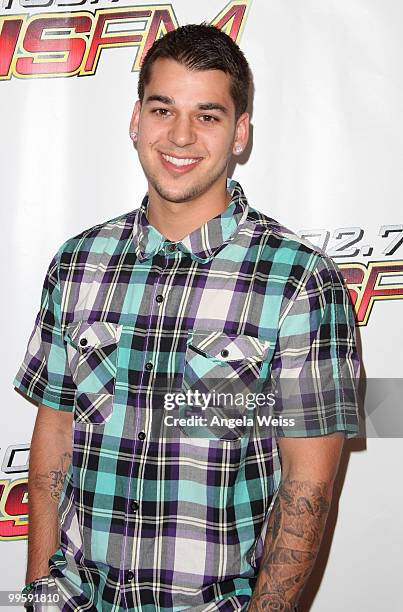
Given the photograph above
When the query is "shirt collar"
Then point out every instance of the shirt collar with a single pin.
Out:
(202, 243)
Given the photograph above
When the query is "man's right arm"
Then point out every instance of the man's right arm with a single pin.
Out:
(49, 459)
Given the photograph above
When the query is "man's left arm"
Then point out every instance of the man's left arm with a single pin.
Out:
(315, 369)
(297, 520)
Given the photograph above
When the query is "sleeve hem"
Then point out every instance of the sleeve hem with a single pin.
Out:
(47, 398)
(349, 432)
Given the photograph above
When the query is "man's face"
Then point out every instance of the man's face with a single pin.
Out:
(186, 130)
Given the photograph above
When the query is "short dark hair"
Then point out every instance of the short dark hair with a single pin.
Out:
(202, 47)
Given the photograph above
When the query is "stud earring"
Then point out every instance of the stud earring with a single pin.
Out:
(238, 149)
(133, 135)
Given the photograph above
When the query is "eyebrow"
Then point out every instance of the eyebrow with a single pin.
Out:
(208, 106)
(162, 99)
(205, 106)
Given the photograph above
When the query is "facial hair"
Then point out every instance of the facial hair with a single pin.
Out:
(193, 191)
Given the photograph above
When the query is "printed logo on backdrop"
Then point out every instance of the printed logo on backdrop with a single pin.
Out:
(14, 493)
(369, 280)
(72, 43)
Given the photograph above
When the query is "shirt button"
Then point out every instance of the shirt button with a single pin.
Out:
(135, 506)
(149, 366)
(224, 353)
(142, 435)
(159, 298)
(130, 576)
(83, 342)
(172, 248)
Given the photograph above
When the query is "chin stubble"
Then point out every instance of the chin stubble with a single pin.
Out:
(192, 192)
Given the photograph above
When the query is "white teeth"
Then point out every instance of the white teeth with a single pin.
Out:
(179, 162)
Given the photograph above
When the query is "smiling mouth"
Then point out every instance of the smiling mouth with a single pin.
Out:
(181, 162)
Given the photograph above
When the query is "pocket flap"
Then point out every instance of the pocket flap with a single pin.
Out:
(84, 335)
(228, 347)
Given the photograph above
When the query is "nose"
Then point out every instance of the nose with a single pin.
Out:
(181, 132)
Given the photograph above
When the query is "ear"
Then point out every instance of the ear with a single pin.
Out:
(241, 134)
(134, 122)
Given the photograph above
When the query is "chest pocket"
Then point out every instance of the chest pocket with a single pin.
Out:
(92, 350)
(228, 367)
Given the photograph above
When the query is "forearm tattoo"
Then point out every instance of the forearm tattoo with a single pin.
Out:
(53, 480)
(294, 534)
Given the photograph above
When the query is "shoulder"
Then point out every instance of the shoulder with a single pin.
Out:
(94, 238)
(305, 264)
(285, 237)
(289, 246)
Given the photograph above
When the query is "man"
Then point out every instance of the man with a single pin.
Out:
(193, 289)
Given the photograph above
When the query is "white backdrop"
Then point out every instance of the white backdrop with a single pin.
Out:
(326, 158)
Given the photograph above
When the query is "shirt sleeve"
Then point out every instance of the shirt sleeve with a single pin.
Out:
(44, 374)
(315, 366)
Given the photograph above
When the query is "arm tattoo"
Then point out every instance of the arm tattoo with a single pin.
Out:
(294, 534)
(53, 480)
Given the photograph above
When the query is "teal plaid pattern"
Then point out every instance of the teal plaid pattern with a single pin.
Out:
(158, 518)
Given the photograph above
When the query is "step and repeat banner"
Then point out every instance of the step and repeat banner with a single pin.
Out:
(324, 159)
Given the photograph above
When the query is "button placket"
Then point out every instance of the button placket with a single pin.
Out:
(136, 489)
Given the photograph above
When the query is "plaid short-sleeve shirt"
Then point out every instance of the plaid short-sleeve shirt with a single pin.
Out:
(158, 514)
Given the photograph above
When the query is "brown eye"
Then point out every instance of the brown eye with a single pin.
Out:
(160, 112)
(208, 118)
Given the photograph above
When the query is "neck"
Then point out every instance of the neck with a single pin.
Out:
(175, 220)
